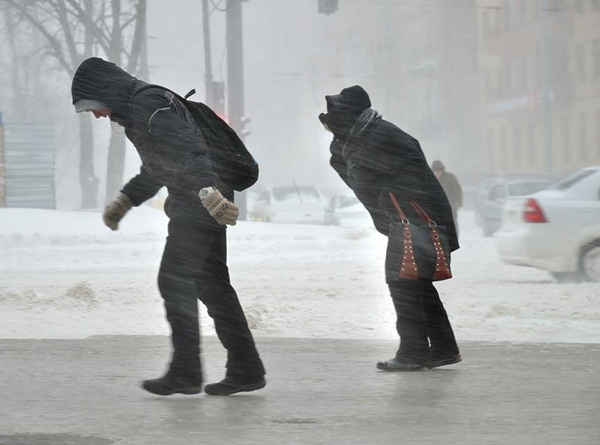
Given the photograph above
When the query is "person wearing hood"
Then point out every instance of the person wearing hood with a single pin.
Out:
(173, 147)
(374, 157)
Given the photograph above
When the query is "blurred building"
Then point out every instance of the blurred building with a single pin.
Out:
(540, 71)
(429, 78)
(417, 60)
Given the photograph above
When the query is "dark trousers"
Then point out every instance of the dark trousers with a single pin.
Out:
(194, 266)
(423, 325)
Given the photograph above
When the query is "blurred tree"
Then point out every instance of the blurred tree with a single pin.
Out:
(75, 30)
(21, 82)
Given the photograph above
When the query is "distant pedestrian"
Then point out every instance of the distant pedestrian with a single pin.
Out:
(451, 186)
(376, 159)
(175, 148)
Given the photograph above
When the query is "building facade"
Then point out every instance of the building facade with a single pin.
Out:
(431, 80)
(540, 92)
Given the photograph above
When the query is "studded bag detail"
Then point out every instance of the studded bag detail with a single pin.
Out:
(417, 251)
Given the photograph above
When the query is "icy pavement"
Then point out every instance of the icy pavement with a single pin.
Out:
(320, 391)
(65, 275)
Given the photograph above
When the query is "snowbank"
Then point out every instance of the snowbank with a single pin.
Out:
(65, 275)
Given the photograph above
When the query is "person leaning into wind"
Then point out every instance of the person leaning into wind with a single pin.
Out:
(387, 170)
(174, 146)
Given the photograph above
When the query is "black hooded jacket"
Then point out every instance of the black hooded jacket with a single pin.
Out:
(170, 143)
(381, 159)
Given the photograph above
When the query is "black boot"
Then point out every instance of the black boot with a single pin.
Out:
(173, 384)
(230, 385)
(436, 363)
(401, 364)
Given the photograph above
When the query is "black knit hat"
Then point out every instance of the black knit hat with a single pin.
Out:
(356, 97)
(343, 109)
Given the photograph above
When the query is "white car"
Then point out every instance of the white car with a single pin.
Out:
(557, 229)
(490, 210)
(295, 204)
(345, 209)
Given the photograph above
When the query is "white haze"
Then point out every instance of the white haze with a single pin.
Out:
(294, 56)
(426, 66)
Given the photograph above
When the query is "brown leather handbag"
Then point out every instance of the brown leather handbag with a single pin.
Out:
(417, 251)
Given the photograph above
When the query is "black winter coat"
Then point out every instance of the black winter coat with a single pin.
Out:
(170, 143)
(382, 159)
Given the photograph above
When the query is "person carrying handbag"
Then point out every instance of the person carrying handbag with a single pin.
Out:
(387, 170)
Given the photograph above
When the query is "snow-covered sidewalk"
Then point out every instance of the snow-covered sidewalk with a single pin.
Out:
(319, 391)
(65, 275)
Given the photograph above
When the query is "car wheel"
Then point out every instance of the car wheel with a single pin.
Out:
(567, 277)
(590, 262)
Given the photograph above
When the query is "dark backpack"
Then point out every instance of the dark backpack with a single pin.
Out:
(231, 160)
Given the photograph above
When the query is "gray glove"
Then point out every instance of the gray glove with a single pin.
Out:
(116, 210)
(219, 207)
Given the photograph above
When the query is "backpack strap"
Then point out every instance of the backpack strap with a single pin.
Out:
(148, 86)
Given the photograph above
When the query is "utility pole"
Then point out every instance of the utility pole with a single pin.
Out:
(144, 71)
(208, 77)
(235, 79)
(545, 73)
(2, 166)
(235, 66)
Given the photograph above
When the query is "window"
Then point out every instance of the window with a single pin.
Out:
(524, 10)
(598, 130)
(506, 10)
(537, 67)
(496, 21)
(583, 148)
(511, 68)
(300, 194)
(536, 13)
(517, 147)
(574, 179)
(488, 85)
(531, 147)
(566, 139)
(491, 150)
(498, 193)
(526, 72)
(502, 150)
(487, 26)
(580, 55)
(596, 58)
(341, 201)
(526, 188)
(523, 73)
(531, 81)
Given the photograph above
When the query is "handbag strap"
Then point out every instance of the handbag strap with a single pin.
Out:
(403, 217)
(423, 214)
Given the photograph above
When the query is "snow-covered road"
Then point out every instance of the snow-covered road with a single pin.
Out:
(64, 275)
